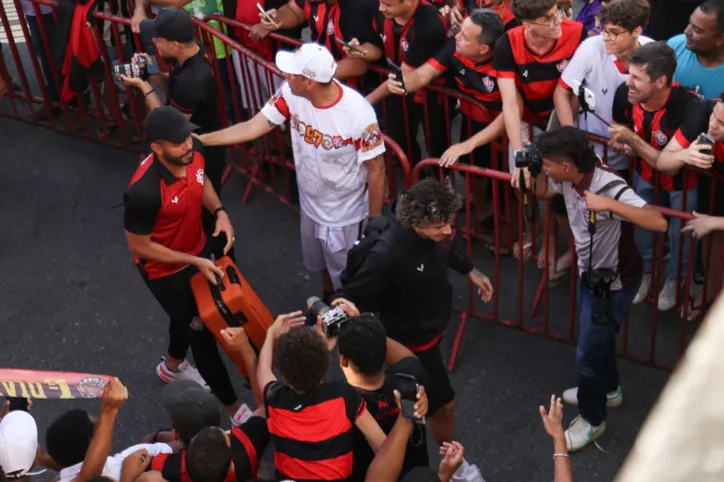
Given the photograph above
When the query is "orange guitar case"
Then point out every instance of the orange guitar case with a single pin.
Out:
(231, 302)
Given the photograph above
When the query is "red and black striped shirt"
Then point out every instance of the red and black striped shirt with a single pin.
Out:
(248, 443)
(345, 20)
(536, 74)
(478, 80)
(657, 128)
(312, 432)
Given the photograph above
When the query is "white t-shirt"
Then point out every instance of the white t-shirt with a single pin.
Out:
(113, 465)
(603, 74)
(330, 146)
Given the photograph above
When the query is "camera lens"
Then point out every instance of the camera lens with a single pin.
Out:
(316, 307)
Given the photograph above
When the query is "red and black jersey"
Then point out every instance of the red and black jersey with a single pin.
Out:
(657, 128)
(345, 20)
(312, 432)
(477, 80)
(168, 208)
(536, 74)
(502, 8)
(248, 443)
(697, 123)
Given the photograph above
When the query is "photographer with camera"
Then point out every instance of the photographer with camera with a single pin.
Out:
(303, 400)
(699, 143)
(400, 269)
(597, 201)
(364, 350)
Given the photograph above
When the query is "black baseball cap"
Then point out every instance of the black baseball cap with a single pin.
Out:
(171, 24)
(190, 407)
(167, 124)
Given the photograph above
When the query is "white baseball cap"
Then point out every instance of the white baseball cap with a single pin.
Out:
(18, 444)
(311, 60)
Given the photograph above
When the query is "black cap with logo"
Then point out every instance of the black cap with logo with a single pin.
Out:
(170, 24)
(167, 124)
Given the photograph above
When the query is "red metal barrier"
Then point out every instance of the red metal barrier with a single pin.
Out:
(648, 336)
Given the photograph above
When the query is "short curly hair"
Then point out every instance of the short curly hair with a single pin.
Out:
(531, 9)
(426, 203)
(569, 143)
(302, 358)
(627, 14)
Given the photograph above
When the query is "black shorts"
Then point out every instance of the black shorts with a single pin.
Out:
(713, 207)
(440, 391)
(481, 156)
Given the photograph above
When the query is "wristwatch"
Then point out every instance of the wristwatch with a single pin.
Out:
(218, 210)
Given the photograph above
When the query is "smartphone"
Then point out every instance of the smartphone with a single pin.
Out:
(351, 47)
(266, 15)
(397, 70)
(706, 140)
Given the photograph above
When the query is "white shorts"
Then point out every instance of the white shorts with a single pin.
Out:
(525, 137)
(326, 248)
(248, 74)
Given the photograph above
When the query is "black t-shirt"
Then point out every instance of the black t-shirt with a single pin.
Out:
(417, 40)
(657, 128)
(381, 405)
(192, 90)
(344, 20)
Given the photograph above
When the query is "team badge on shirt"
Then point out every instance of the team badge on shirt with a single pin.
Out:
(661, 138)
(330, 28)
(405, 46)
(371, 138)
(562, 66)
(488, 83)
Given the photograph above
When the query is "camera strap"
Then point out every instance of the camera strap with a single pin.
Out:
(592, 215)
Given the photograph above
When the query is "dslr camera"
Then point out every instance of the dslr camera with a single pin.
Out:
(407, 386)
(529, 158)
(599, 281)
(332, 318)
(137, 69)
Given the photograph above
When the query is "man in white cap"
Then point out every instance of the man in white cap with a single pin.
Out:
(338, 151)
(18, 445)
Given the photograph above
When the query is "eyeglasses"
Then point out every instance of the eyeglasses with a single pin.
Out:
(553, 23)
(612, 35)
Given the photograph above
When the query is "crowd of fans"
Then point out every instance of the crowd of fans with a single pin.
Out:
(541, 78)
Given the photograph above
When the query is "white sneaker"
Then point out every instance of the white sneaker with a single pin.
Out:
(643, 289)
(581, 433)
(185, 372)
(613, 399)
(667, 297)
(467, 473)
(242, 415)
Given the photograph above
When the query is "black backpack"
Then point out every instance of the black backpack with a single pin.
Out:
(377, 230)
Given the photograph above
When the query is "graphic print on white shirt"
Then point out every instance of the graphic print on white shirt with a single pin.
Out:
(330, 145)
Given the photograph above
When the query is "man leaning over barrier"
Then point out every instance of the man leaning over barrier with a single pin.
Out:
(610, 268)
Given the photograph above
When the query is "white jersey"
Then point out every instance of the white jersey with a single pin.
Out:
(603, 74)
(330, 146)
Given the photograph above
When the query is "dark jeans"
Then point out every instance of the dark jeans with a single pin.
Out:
(175, 297)
(37, 38)
(596, 351)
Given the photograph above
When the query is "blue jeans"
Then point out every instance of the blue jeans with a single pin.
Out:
(596, 352)
(43, 57)
(644, 239)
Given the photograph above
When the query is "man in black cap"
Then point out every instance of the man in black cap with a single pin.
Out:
(191, 87)
(164, 201)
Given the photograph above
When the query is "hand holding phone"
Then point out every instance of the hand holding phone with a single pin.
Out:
(705, 140)
(397, 70)
(350, 46)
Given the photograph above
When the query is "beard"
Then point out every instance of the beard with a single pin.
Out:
(182, 160)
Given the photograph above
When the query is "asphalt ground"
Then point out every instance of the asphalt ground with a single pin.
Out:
(72, 300)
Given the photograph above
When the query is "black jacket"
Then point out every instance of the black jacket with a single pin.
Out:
(405, 278)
